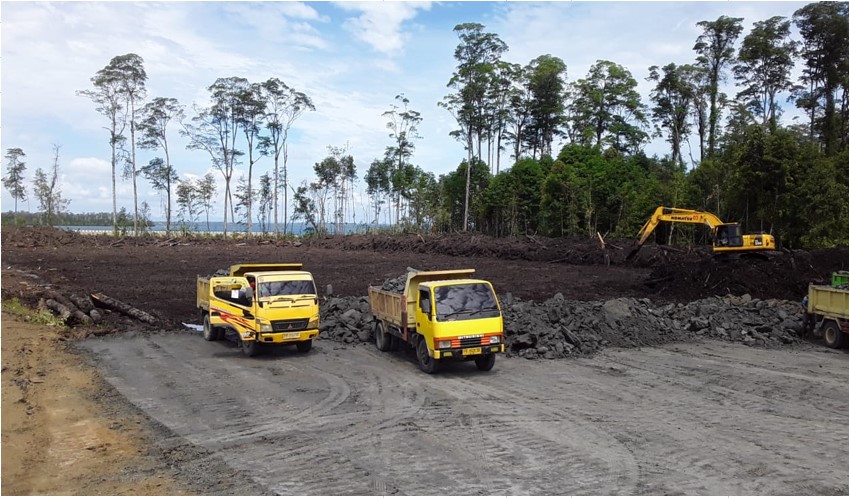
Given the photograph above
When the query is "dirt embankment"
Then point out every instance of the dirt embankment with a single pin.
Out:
(61, 435)
(68, 432)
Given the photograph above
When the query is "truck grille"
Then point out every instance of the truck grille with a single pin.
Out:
(289, 325)
(467, 342)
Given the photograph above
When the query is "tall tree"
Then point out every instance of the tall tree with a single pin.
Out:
(403, 129)
(672, 97)
(546, 76)
(607, 108)
(155, 117)
(378, 184)
(129, 70)
(500, 94)
(266, 202)
(715, 47)
(214, 129)
(188, 204)
(476, 55)
(764, 63)
(251, 112)
(283, 106)
(206, 190)
(162, 177)
(14, 179)
(46, 190)
(107, 96)
(824, 27)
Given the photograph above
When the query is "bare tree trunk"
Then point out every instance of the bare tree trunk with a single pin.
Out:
(133, 149)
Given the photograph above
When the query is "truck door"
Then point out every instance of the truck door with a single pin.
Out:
(424, 312)
(230, 303)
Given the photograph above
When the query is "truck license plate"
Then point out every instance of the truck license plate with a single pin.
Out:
(471, 351)
(292, 335)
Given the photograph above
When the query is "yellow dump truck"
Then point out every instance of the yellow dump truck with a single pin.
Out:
(443, 315)
(829, 307)
(267, 303)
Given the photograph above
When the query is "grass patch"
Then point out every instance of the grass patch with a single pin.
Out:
(42, 317)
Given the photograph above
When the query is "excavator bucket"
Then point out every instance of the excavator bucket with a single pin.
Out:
(633, 252)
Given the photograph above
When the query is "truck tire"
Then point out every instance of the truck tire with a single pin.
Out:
(485, 362)
(834, 338)
(427, 363)
(809, 323)
(210, 333)
(304, 346)
(250, 348)
(382, 340)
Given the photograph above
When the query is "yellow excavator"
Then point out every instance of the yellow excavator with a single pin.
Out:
(727, 237)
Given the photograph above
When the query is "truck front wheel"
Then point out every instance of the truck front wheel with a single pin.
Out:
(210, 333)
(381, 339)
(834, 338)
(485, 362)
(250, 348)
(304, 346)
(426, 362)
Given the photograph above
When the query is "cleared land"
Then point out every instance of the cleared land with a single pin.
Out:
(694, 417)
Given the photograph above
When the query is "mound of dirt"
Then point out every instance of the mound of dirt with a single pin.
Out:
(782, 276)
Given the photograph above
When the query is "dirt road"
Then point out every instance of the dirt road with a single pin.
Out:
(711, 418)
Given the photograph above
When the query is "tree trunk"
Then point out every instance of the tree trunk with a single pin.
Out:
(124, 308)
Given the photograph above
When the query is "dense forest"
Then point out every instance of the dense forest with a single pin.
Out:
(731, 154)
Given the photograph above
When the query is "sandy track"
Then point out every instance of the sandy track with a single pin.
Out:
(711, 418)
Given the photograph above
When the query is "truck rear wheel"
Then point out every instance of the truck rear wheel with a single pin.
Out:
(250, 348)
(485, 362)
(381, 339)
(304, 346)
(426, 362)
(834, 338)
(210, 333)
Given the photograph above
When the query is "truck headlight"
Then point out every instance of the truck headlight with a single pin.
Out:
(265, 327)
(313, 323)
(443, 344)
(494, 339)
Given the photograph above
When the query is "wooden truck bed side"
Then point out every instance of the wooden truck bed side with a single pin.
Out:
(828, 301)
(387, 306)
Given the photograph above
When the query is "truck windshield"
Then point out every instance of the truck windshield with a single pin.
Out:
(465, 302)
(286, 288)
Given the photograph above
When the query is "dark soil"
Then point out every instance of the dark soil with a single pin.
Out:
(158, 275)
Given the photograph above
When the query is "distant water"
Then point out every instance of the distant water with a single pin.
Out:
(218, 227)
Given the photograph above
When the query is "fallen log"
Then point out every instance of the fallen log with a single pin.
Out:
(82, 302)
(124, 308)
(60, 309)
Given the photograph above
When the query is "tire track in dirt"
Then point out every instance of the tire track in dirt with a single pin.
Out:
(733, 422)
(352, 420)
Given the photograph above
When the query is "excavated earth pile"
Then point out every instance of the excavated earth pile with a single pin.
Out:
(665, 294)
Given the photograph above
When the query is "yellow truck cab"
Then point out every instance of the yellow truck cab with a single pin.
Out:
(443, 315)
(268, 303)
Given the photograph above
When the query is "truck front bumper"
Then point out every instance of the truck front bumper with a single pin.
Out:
(281, 337)
(467, 352)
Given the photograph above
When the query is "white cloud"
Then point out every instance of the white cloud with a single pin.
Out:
(380, 23)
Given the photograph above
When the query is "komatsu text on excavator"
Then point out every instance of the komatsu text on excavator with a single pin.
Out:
(727, 237)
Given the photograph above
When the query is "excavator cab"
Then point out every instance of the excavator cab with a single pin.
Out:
(728, 235)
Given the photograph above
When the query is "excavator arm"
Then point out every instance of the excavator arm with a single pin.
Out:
(672, 214)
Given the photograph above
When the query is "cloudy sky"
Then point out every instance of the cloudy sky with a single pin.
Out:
(351, 58)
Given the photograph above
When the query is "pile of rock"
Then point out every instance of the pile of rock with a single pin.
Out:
(559, 328)
(345, 319)
(399, 283)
